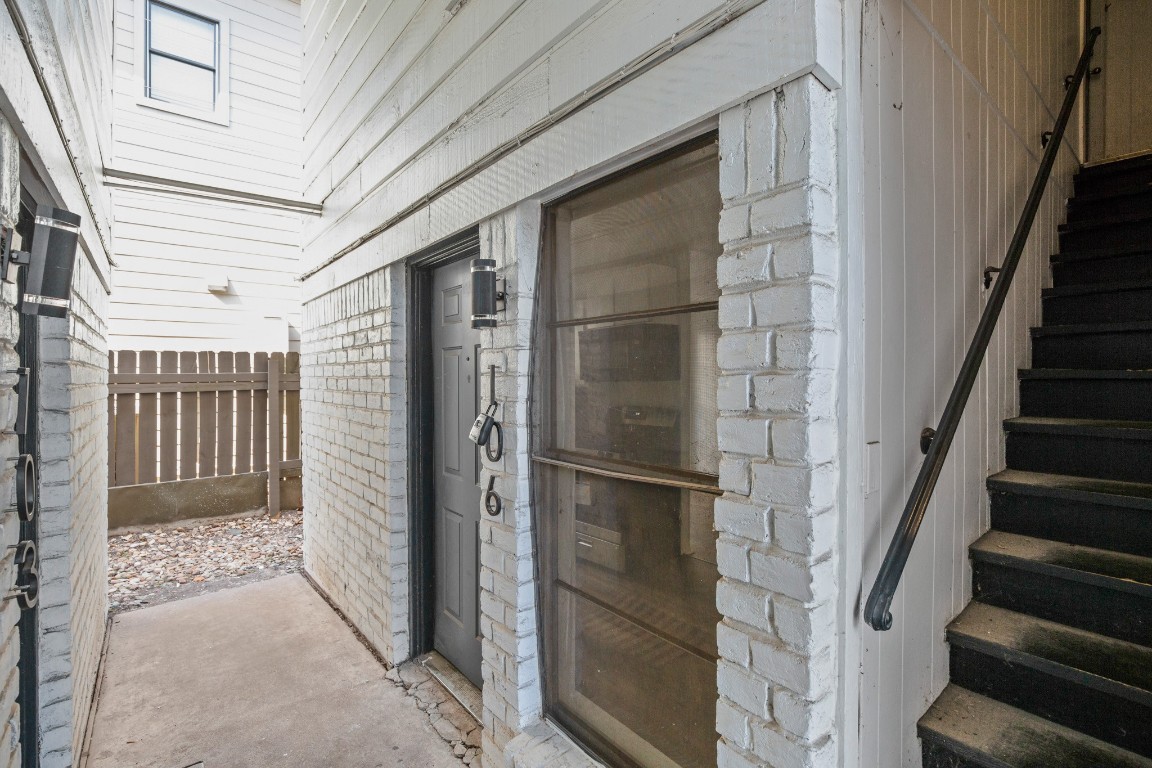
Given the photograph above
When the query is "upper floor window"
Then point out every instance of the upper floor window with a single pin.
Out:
(184, 55)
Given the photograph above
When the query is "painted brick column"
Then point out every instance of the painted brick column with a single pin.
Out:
(777, 430)
(508, 615)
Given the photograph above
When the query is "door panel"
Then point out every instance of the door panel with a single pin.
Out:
(456, 493)
(1120, 101)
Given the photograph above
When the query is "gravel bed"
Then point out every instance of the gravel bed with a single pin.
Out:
(158, 565)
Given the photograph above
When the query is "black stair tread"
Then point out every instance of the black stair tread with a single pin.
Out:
(1082, 373)
(1107, 194)
(1099, 567)
(1124, 430)
(1087, 289)
(1141, 159)
(1085, 658)
(996, 735)
(1102, 253)
(1104, 222)
(1069, 330)
(1087, 489)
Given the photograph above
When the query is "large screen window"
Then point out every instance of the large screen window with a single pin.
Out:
(627, 462)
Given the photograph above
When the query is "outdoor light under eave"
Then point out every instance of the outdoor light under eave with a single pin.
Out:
(487, 293)
(50, 261)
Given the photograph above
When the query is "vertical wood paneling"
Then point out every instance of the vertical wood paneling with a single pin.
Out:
(955, 95)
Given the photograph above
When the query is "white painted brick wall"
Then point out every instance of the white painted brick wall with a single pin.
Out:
(9, 536)
(354, 447)
(778, 350)
(73, 465)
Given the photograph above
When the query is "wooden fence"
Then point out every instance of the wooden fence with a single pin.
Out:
(191, 415)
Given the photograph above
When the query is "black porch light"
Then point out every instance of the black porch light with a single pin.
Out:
(50, 261)
(487, 293)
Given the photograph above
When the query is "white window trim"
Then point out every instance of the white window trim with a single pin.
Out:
(213, 11)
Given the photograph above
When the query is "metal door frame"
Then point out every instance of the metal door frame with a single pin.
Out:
(421, 406)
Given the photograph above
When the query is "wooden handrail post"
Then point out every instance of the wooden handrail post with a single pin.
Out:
(275, 431)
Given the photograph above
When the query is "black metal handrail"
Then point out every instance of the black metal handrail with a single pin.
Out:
(877, 610)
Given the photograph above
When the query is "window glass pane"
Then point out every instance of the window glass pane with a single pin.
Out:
(645, 242)
(182, 34)
(180, 83)
(628, 402)
(638, 392)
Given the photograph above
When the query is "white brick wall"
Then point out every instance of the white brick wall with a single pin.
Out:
(9, 536)
(354, 447)
(73, 465)
(778, 352)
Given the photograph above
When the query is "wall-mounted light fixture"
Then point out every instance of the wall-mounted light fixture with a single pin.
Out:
(487, 293)
(50, 261)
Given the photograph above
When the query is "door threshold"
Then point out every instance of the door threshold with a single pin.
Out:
(461, 688)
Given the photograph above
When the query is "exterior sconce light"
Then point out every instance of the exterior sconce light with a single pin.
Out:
(48, 285)
(487, 293)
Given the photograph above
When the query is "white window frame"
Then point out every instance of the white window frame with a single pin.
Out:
(208, 9)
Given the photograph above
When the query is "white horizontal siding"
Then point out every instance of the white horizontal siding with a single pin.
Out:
(956, 94)
(402, 97)
(259, 150)
(169, 248)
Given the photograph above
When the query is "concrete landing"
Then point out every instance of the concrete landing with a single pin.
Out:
(264, 675)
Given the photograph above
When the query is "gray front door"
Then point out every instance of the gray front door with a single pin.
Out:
(456, 492)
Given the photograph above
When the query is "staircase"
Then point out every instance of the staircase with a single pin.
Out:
(1051, 664)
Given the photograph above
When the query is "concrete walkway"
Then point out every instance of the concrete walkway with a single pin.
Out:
(261, 676)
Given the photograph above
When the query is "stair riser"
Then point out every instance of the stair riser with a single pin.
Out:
(1119, 399)
(1102, 270)
(1067, 702)
(1113, 307)
(1086, 210)
(1127, 234)
(1123, 615)
(1121, 529)
(1118, 181)
(1080, 455)
(940, 756)
(1128, 350)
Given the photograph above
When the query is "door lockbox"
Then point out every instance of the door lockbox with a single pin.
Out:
(482, 427)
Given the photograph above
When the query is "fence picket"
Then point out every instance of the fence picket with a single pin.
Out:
(126, 425)
(111, 426)
(189, 410)
(146, 442)
(275, 425)
(243, 418)
(292, 408)
(207, 463)
(225, 438)
(169, 406)
(260, 411)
